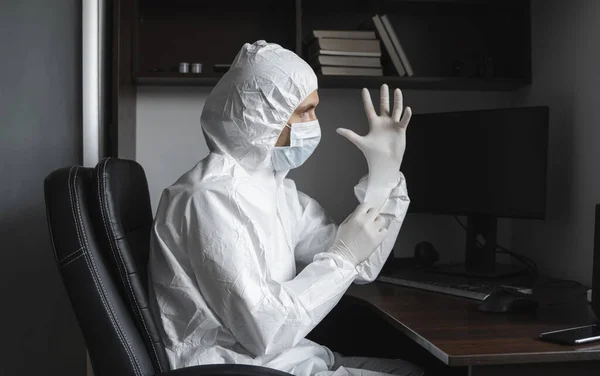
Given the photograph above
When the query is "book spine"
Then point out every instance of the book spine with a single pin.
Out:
(356, 45)
(388, 46)
(396, 42)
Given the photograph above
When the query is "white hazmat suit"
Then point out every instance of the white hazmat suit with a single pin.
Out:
(240, 268)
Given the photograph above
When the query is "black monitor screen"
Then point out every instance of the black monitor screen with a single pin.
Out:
(489, 162)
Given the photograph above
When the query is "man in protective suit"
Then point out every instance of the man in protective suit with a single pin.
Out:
(243, 266)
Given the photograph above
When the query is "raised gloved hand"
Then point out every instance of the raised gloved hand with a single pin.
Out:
(360, 234)
(383, 146)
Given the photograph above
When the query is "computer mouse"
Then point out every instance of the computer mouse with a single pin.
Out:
(508, 301)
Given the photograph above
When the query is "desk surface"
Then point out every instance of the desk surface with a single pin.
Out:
(454, 331)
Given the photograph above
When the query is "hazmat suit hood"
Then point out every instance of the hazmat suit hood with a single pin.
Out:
(247, 110)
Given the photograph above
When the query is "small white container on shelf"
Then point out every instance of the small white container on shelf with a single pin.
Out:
(196, 68)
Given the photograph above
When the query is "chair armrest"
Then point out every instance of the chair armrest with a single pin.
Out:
(225, 370)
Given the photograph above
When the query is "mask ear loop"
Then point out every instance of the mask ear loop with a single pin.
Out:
(283, 129)
(279, 135)
(291, 131)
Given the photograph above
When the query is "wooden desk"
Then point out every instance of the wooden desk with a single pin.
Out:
(455, 332)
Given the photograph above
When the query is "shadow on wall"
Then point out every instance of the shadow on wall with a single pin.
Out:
(31, 292)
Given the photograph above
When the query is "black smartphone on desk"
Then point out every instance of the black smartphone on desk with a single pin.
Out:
(573, 336)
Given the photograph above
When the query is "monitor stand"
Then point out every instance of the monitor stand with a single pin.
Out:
(480, 252)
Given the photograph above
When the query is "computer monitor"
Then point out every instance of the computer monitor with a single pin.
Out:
(484, 165)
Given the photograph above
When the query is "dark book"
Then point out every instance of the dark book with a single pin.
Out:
(370, 46)
(347, 61)
(344, 34)
(350, 71)
(387, 42)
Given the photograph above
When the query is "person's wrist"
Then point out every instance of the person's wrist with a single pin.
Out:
(380, 184)
(384, 178)
(340, 249)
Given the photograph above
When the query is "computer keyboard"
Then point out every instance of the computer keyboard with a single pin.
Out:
(452, 286)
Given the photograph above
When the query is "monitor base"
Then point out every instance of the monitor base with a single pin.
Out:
(501, 270)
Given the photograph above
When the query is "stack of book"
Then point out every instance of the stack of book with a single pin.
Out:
(345, 52)
(357, 53)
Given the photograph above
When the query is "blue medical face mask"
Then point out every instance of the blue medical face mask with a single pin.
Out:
(304, 138)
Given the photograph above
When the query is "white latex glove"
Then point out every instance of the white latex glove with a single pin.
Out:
(383, 146)
(359, 235)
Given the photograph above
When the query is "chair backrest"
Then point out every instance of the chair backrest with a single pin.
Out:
(106, 317)
(100, 221)
(123, 222)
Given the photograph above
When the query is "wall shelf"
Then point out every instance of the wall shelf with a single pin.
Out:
(437, 35)
(422, 83)
(176, 79)
(442, 38)
(338, 82)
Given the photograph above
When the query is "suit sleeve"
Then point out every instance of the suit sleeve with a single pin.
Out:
(393, 211)
(316, 231)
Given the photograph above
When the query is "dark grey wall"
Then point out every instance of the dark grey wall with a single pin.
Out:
(565, 62)
(40, 130)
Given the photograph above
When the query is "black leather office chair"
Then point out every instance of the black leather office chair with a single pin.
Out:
(100, 220)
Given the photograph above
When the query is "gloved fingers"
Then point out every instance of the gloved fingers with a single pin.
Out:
(351, 136)
(384, 101)
(368, 103)
(383, 231)
(379, 220)
(372, 213)
(405, 119)
(362, 209)
(398, 103)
